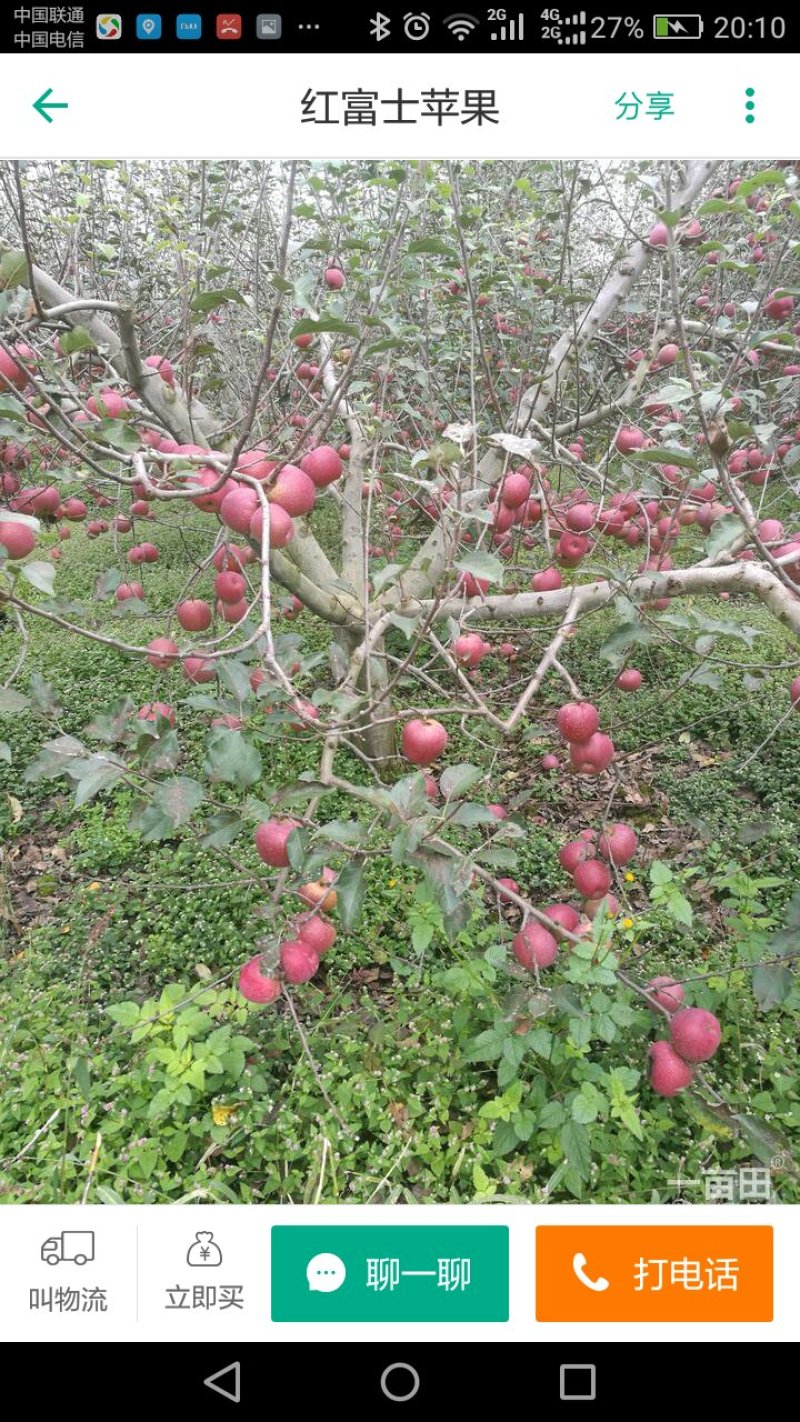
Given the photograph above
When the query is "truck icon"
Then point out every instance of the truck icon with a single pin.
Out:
(73, 1247)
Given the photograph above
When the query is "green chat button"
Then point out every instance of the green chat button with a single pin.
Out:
(389, 1274)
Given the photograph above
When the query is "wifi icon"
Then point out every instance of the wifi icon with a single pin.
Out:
(461, 26)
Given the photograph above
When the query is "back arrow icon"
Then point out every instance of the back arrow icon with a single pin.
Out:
(41, 106)
(233, 1390)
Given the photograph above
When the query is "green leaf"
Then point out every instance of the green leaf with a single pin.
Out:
(487, 1046)
(163, 752)
(422, 932)
(482, 565)
(107, 1196)
(623, 1107)
(126, 1014)
(580, 1031)
(772, 983)
(431, 247)
(715, 205)
(574, 1139)
(386, 575)
(524, 1125)
(660, 873)
(172, 805)
(457, 980)
(76, 339)
(5, 752)
(681, 909)
(471, 815)
(391, 343)
(11, 409)
(514, 1051)
(343, 831)
(13, 270)
(81, 1069)
(767, 1144)
(407, 625)
(456, 780)
(409, 794)
(481, 1182)
(701, 676)
(112, 725)
(297, 792)
(222, 830)
(235, 676)
(630, 634)
(43, 696)
(54, 759)
(505, 1138)
(723, 534)
(297, 848)
(41, 576)
(312, 326)
(666, 454)
(107, 583)
(588, 1104)
(351, 887)
(500, 856)
(11, 700)
(552, 1116)
(540, 1041)
(206, 301)
(117, 433)
(448, 881)
(767, 177)
(232, 759)
(93, 775)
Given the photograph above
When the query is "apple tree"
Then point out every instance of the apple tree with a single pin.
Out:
(448, 413)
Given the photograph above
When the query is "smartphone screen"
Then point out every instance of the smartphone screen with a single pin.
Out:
(399, 692)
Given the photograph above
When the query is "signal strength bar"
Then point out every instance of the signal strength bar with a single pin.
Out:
(579, 22)
(513, 31)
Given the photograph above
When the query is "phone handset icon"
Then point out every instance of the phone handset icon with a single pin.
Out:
(579, 1266)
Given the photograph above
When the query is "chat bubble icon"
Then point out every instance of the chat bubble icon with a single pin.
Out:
(325, 1273)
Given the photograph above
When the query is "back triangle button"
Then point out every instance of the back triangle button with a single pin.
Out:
(232, 1385)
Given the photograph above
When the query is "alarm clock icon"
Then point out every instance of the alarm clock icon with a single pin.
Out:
(417, 27)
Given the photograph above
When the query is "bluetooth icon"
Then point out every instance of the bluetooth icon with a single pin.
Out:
(380, 27)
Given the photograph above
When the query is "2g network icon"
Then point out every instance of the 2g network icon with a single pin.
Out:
(108, 27)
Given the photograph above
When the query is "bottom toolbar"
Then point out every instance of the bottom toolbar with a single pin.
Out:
(179, 1273)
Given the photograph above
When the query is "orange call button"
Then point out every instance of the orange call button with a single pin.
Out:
(654, 1273)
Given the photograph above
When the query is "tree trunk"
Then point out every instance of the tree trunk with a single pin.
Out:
(378, 739)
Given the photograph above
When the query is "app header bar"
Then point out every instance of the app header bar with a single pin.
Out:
(447, 106)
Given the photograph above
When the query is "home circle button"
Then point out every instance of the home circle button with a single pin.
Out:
(399, 1382)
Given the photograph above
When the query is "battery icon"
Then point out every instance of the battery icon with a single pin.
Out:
(678, 26)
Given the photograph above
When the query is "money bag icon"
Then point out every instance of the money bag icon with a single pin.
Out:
(204, 1253)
